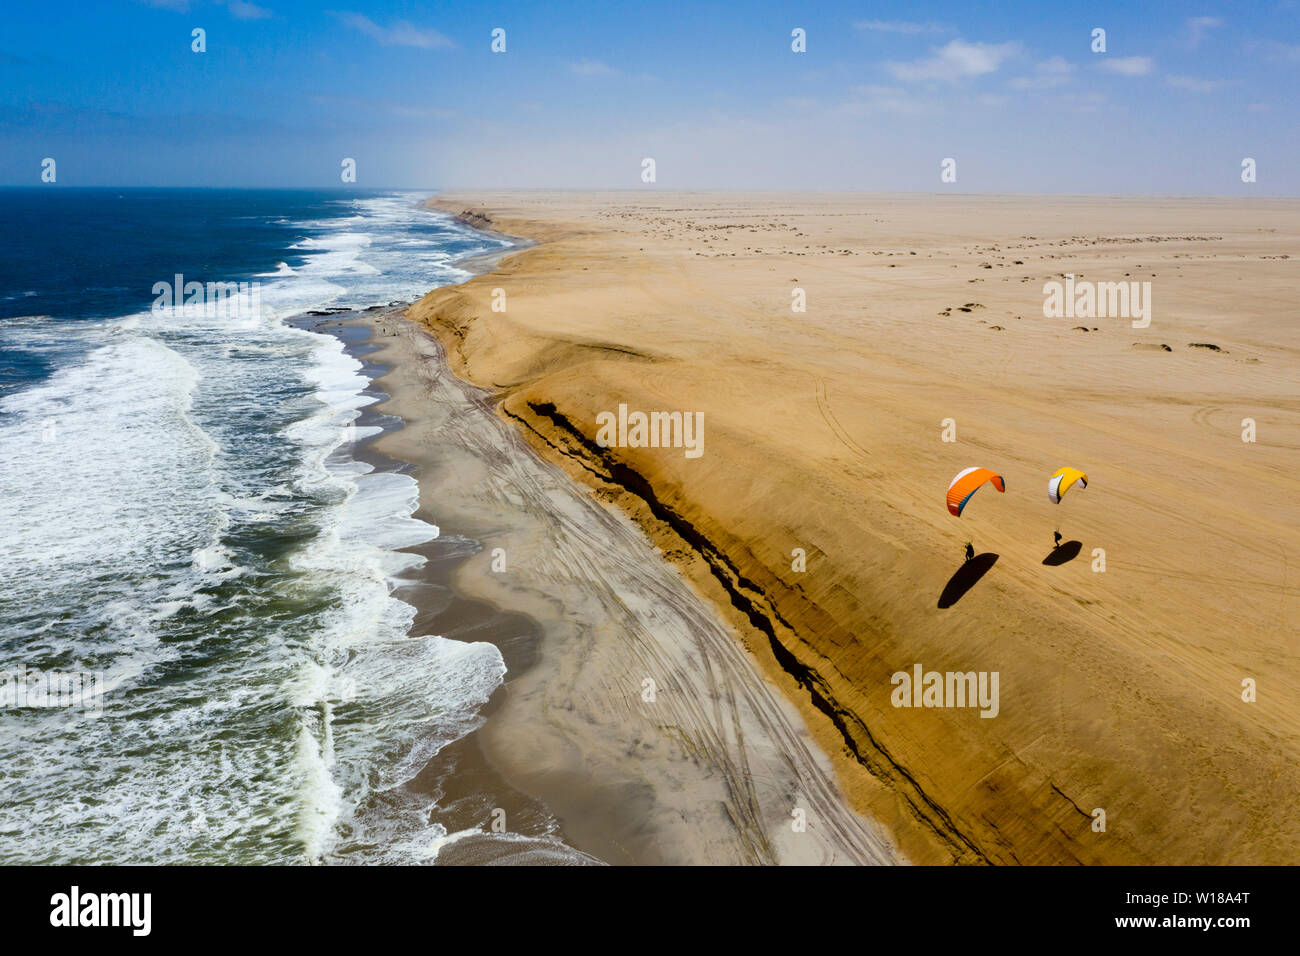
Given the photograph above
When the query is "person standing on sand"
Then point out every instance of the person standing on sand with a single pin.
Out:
(1056, 540)
(970, 551)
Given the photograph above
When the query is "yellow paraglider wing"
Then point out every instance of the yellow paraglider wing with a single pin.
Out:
(1063, 480)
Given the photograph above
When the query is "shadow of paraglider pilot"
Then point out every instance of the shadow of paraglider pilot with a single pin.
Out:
(1062, 553)
(971, 570)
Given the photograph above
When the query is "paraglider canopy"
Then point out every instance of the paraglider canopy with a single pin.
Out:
(1063, 480)
(967, 483)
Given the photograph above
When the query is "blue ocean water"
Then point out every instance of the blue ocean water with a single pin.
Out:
(184, 516)
(95, 253)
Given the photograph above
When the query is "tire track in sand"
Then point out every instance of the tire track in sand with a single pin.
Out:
(718, 741)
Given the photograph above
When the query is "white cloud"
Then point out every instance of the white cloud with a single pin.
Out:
(401, 33)
(1198, 27)
(954, 61)
(374, 107)
(900, 26)
(1047, 74)
(241, 10)
(882, 99)
(419, 112)
(1081, 102)
(1127, 65)
(1192, 84)
(1056, 66)
(592, 68)
(1277, 52)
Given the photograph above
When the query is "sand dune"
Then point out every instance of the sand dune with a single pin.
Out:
(1120, 690)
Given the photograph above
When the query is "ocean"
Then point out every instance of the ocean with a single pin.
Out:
(186, 518)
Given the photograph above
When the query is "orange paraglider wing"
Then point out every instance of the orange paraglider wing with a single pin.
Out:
(967, 483)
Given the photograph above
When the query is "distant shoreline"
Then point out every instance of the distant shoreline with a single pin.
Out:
(482, 262)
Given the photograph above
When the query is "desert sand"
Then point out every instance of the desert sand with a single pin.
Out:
(1121, 690)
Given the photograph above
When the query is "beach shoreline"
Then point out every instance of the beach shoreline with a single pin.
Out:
(589, 612)
(458, 779)
(482, 262)
(671, 301)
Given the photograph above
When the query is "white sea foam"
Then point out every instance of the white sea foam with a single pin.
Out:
(255, 701)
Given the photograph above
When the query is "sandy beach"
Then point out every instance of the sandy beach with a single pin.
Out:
(1123, 657)
(710, 768)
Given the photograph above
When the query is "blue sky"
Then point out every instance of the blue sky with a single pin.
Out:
(713, 92)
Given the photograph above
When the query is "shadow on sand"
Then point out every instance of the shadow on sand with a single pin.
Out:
(1062, 553)
(965, 578)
